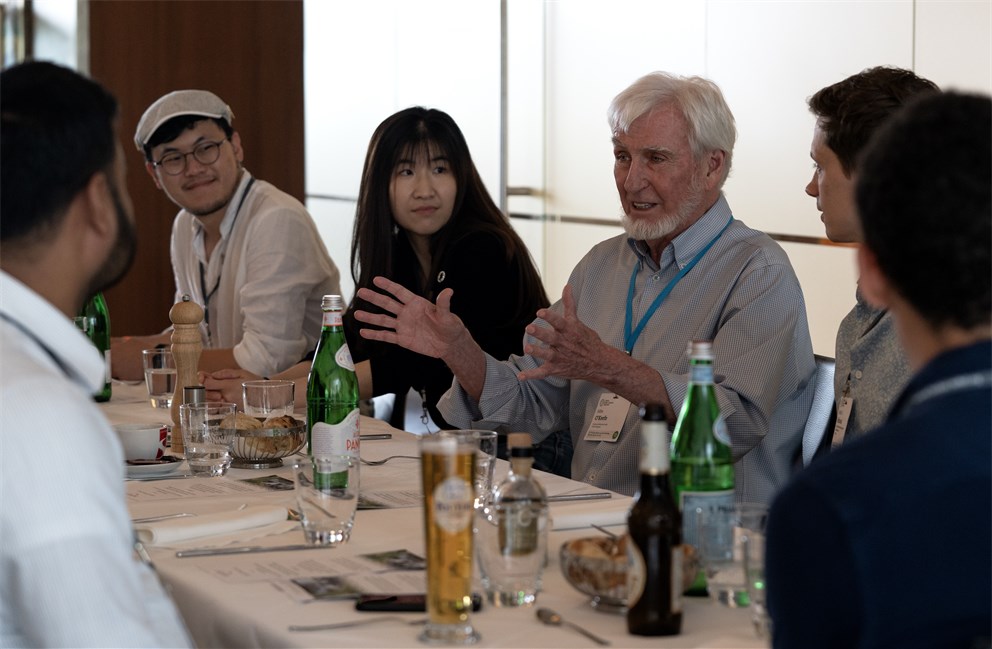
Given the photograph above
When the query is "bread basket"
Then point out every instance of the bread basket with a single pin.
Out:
(265, 447)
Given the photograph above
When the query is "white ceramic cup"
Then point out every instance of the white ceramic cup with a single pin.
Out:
(142, 441)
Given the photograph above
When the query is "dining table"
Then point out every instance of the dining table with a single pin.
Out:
(260, 598)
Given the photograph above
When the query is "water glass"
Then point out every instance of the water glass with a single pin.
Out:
(720, 535)
(208, 434)
(448, 472)
(326, 488)
(160, 376)
(269, 398)
(485, 461)
(753, 544)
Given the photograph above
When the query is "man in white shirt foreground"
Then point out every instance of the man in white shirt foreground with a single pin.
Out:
(634, 302)
(68, 571)
(245, 251)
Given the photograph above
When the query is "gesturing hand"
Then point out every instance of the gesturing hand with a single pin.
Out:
(416, 324)
(571, 350)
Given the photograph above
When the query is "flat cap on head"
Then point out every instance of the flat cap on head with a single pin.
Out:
(176, 103)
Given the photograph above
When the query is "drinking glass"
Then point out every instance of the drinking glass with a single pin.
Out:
(485, 461)
(511, 575)
(208, 430)
(269, 398)
(448, 472)
(720, 536)
(753, 544)
(326, 489)
(160, 376)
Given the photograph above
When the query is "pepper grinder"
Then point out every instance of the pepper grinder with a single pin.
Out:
(186, 347)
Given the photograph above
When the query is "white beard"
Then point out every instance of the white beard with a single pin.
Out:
(644, 230)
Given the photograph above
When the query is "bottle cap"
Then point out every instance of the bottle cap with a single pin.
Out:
(194, 394)
(652, 412)
(514, 440)
(332, 303)
(702, 349)
(522, 451)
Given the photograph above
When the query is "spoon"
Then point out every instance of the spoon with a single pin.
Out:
(548, 616)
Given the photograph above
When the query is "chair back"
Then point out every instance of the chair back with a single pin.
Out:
(821, 410)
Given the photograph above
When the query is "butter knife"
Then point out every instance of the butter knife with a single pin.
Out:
(245, 549)
(595, 495)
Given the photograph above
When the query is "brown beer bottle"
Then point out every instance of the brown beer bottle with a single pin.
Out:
(654, 554)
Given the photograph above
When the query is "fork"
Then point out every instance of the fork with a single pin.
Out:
(387, 459)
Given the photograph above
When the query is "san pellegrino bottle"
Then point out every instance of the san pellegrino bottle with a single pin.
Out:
(94, 320)
(654, 553)
(514, 566)
(702, 462)
(332, 393)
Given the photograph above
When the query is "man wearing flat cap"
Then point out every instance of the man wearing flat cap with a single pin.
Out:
(245, 251)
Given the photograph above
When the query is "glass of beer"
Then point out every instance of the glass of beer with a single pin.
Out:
(448, 466)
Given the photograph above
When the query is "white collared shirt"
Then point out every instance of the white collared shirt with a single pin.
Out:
(270, 270)
(68, 575)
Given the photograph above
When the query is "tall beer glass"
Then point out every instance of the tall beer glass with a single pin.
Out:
(448, 466)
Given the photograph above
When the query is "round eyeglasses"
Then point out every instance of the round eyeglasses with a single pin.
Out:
(174, 163)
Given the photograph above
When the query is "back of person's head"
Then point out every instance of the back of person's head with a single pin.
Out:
(849, 111)
(57, 131)
(924, 194)
(711, 124)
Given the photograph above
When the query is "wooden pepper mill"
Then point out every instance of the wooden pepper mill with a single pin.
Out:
(186, 347)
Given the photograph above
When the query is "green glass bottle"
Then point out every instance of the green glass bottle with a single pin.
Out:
(94, 321)
(654, 554)
(332, 394)
(702, 462)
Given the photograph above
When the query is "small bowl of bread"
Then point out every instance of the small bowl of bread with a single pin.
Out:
(597, 566)
(261, 443)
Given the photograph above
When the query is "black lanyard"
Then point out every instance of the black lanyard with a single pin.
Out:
(203, 279)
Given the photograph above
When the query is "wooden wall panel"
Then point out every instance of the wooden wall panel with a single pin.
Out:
(250, 53)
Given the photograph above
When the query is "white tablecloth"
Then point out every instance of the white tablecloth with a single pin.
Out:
(247, 601)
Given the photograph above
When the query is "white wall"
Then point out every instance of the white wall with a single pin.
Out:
(363, 61)
(566, 62)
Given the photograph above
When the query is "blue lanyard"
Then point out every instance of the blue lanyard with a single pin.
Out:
(978, 380)
(630, 336)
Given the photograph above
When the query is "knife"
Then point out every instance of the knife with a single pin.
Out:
(149, 478)
(245, 549)
(595, 495)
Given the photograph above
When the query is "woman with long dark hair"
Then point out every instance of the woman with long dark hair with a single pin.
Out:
(425, 220)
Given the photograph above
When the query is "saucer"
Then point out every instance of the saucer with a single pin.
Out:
(142, 468)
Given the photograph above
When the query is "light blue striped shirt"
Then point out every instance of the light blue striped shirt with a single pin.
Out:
(743, 295)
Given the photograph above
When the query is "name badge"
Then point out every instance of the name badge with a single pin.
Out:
(843, 416)
(611, 412)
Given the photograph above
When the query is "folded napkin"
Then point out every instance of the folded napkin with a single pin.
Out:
(578, 514)
(194, 527)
